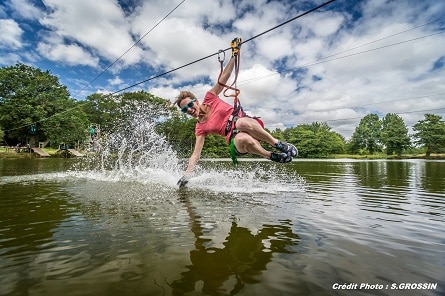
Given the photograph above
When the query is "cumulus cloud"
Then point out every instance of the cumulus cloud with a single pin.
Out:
(10, 34)
(99, 25)
(23, 9)
(115, 81)
(69, 54)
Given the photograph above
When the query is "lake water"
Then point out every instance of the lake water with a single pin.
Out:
(343, 227)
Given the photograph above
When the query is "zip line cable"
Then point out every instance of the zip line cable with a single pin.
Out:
(327, 58)
(183, 66)
(398, 113)
(366, 51)
(376, 103)
(383, 38)
(223, 50)
(131, 47)
(288, 21)
(369, 50)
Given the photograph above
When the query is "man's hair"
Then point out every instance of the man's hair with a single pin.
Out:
(182, 95)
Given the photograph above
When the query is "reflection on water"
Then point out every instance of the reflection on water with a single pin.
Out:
(28, 216)
(432, 176)
(397, 187)
(377, 174)
(244, 256)
(258, 229)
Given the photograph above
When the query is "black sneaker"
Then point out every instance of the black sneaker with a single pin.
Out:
(280, 157)
(290, 149)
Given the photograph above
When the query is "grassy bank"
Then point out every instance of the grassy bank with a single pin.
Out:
(12, 153)
(384, 156)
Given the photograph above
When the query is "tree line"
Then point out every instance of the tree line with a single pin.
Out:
(35, 107)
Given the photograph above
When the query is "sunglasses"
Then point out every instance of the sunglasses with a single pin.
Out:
(188, 106)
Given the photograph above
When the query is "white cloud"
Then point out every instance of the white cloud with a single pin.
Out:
(10, 34)
(9, 58)
(115, 81)
(325, 23)
(69, 54)
(263, 86)
(178, 43)
(100, 25)
(23, 9)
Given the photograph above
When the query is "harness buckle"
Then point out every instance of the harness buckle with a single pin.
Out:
(229, 125)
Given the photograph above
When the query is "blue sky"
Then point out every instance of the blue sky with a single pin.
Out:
(336, 65)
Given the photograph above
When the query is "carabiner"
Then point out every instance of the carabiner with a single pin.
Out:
(219, 57)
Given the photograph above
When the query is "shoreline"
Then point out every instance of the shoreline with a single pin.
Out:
(54, 153)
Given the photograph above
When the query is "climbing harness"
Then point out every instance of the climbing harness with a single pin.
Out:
(237, 108)
(235, 45)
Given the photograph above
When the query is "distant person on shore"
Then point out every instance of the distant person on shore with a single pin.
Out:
(213, 115)
(92, 133)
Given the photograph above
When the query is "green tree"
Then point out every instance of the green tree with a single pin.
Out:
(179, 131)
(109, 111)
(67, 127)
(394, 134)
(314, 140)
(430, 133)
(367, 135)
(215, 146)
(33, 104)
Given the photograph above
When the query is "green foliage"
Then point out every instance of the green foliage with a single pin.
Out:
(109, 110)
(394, 134)
(215, 146)
(367, 135)
(313, 140)
(179, 131)
(29, 98)
(67, 127)
(430, 132)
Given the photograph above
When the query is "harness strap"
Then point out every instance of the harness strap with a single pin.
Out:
(236, 54)
(234, 117)
(233, 85)
(233, 151)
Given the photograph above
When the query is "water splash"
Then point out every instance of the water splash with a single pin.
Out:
(135, 152)
(251, 176)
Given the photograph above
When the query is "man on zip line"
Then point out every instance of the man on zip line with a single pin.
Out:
(215, 116)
